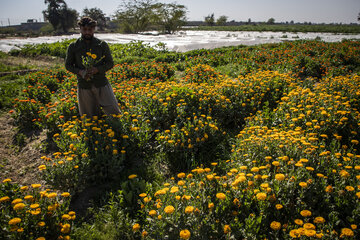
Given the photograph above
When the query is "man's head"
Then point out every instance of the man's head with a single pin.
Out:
(87, 27)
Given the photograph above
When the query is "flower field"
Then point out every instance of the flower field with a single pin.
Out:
(256, 142)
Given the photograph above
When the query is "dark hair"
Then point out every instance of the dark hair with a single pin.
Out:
(87, 21)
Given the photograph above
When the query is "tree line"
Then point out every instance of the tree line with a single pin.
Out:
(132, 16)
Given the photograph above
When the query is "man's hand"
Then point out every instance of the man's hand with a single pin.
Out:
(83, 73)
(93, 70)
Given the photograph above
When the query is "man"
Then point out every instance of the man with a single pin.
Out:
(94, 90)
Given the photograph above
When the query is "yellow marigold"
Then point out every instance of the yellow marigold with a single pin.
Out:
(65, 194)
(169, 209)
(40, 238)
(19, 206)
(279, 176)
(227, 229)
(211, 205)
(278, 206)
(346, 232)
(350, 188)
(34, 206)
(181, 183)
(24, 188)
(261, 196)
(275, 225)
(16, 201)
(303, 184)
(319, 220)
(181, 175)
(14, 221)
(174, 189)
(136, 227)
(185, 234)
(221, 196)
(65, 228)
(4, 199)
(299, 222)
(353, 226)
(52, 195)
(305, 213)
(41, 224)
(142, 195)
(329, 189)
(6, 180)
(310, 232)
(309, 226)
(189, 209)
(132, 176)
(152, 213)
(294, 233)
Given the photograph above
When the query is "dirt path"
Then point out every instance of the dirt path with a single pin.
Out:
(19, 163)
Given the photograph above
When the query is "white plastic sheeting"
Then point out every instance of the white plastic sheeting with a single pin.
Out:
(187, 40)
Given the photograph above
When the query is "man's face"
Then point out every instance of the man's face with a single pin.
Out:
(87, 32)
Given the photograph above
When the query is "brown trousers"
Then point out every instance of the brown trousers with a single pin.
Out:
(90, 101)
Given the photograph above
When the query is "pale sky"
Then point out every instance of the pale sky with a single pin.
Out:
(315, 11)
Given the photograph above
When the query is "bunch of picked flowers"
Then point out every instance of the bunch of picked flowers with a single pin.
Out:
(89, 61)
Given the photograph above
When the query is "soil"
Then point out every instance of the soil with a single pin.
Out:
(19, 162)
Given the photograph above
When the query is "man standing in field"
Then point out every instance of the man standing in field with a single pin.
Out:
(89, 58)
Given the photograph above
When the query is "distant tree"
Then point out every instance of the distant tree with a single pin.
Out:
(135, 15)
(98, 15)
(170, 17)
(59, 15)
(358, 17)
(53, 12)
(210, 20)
(221, 21)
(68, 19)
(249, 20)
(271, 21)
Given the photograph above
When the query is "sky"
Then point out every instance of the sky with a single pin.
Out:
(315, 11)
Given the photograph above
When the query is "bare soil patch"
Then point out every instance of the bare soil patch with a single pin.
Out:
(19, 162)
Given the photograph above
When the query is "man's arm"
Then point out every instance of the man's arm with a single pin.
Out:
(70, 60)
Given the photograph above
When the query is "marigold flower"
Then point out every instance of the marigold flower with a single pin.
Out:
(299, 222)
(52, 195)
(65, 228)
(4, 199)
(310, 232)
(303, 184)
(19, 206)
(132, 176)
(185, 234)
(169, 209)
(261, 196)
(319, 220)
(65, 194)
(227, 229)
(278, 206)
(6, 180)
(35, 185)
(14, 221)
(279, 176)
(40, 238)
(309, 226)
(136, 227)
(221, 196)
(181, 175)
(275, 225)
(152, 213)
(294, 233)
(305, 213)
(189, 209)
(346, 232)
